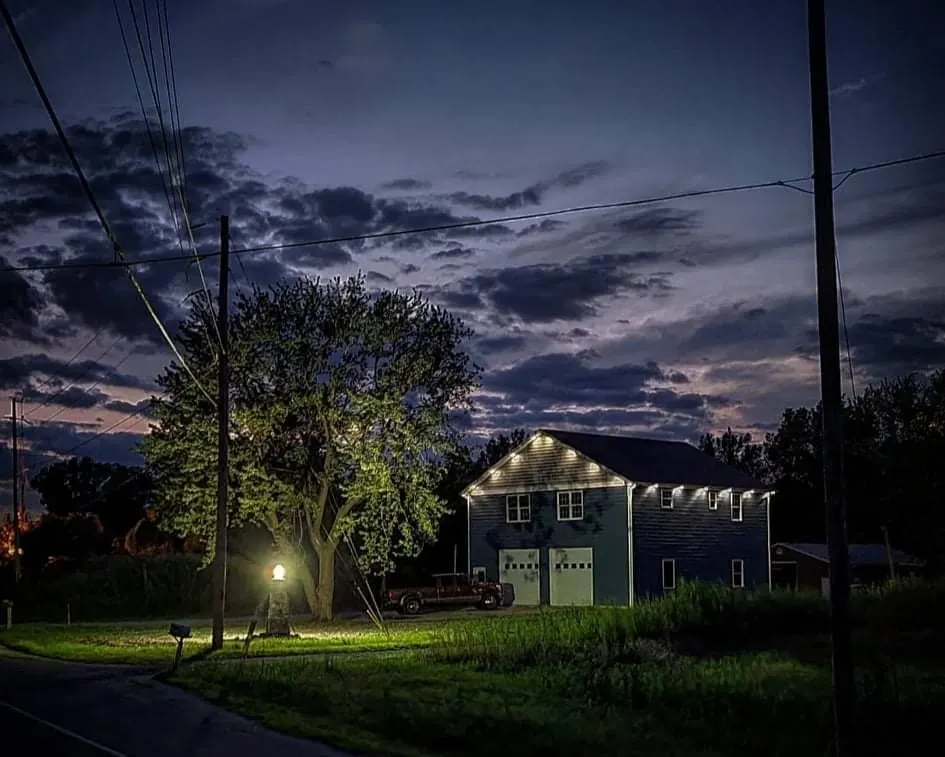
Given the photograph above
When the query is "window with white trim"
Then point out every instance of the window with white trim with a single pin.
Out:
(669, 574)
(736, 502)
(666, 498)
(571, 505)
(712, 497)
(738, 574)
(518, 508)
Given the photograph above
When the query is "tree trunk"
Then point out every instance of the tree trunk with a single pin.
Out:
(324, 607)
(309, 586)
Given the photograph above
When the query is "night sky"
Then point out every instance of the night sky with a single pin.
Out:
(306, 120)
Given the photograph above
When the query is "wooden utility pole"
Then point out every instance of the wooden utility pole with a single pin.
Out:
(831, 383)
(223, 437)
(14, 449)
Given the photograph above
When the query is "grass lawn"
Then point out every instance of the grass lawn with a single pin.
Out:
(758, 703)
(149, 643)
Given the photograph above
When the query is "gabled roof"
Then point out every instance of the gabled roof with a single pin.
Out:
(656, 460)
(860, 554)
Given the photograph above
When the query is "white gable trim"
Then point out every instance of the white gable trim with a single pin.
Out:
(518, 450)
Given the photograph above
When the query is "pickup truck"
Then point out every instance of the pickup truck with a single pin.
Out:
(450, 590)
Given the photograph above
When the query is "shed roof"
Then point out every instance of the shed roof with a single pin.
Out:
(655, 460)
(860, 554)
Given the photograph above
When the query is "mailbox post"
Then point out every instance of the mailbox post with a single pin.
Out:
(179, 632)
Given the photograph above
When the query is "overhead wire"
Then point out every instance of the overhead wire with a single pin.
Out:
(67, 387)
(179, 182)
(144, 116)
(98, 435)
(75, 356)
(92, 387)
(472, 223)
(87, 189)
(151, 74)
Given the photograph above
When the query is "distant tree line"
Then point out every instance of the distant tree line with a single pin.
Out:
(894, 464)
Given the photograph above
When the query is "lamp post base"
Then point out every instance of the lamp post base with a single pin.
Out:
(277, 618)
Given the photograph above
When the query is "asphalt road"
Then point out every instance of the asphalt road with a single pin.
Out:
(79, 710)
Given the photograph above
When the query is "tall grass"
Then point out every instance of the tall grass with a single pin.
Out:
(694, 615)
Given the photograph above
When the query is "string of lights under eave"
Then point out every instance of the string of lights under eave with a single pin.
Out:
(537, 215)
(87, 189)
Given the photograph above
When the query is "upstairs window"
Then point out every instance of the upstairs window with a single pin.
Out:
(666, 498)
(737, 506)
(712, 497)
(571, 505)
(518, 508)
(738, 574)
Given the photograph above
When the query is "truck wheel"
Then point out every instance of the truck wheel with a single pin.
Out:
(411, 605)
(489, 602)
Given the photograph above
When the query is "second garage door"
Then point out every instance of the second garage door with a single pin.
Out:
(571, 575)
(520, 568)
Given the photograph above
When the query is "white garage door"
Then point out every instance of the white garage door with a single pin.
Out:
(519, 567)
(571, 575)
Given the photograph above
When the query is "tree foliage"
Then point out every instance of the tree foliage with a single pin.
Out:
(341, 403)
(116, 494)
(894, 445)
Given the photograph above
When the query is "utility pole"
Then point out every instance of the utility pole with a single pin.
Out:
(16, 494)
(831, 384)
(223, 437)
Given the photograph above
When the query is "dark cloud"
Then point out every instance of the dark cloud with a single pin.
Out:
(453, 252)
(73, 397)
(566, 390)
(546, 226)
(500, 343)
(532, 195)
(527, 197)
(748, 330)
(143, 408)
(16, 371)
(492, 231)
(407, 184)
(39, 191)
(547, 292)
(376, 277)
(659, 221)
(20, 305)
(900, 343)
(560, 378)
(49, 440)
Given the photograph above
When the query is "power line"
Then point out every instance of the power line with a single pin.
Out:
(68, 386)
(783, 183)
(144, 116)
(846, 332)
(64, 139)
(93, 386)
(49, 379)
(96, 436)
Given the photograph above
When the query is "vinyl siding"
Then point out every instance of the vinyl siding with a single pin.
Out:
(546, 464)
(604, 528)
(703, 542)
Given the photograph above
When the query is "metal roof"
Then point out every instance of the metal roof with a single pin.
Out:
(860, 554)
(657, 461)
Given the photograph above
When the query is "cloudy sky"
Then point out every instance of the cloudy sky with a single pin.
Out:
(307, 120)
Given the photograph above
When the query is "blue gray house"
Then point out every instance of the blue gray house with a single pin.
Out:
(583, 519)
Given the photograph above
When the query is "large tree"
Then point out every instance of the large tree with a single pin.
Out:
(894, 444)
(341, 419)
(117, 494)
(738, 450)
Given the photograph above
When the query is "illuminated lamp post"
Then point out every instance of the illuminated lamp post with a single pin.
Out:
(277, 617)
